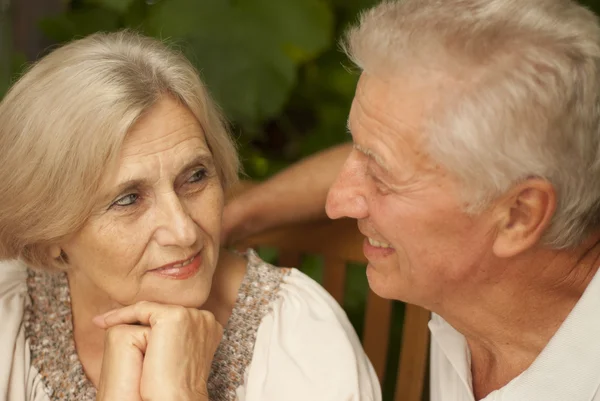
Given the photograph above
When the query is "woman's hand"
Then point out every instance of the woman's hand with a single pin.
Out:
(124, 348)
(181, 346)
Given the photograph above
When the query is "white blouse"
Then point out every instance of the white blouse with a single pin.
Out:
(305, 347)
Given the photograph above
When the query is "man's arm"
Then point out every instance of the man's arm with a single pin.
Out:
(296, 194)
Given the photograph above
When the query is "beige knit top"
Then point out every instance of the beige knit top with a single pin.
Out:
(286, 339)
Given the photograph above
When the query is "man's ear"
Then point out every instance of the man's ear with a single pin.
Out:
(524, 214)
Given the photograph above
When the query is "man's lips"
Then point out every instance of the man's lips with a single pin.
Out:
(180, 270)
(373, 241)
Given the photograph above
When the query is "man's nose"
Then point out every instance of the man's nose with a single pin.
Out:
(346, 197)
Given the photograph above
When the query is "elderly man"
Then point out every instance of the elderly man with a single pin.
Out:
(475, 177)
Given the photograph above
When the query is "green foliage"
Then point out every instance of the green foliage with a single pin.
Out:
(5, 52)
(273, 66)
(259, 58)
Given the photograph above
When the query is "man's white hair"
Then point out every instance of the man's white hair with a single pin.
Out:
(526, 99)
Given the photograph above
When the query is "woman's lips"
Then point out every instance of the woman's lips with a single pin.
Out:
(180, 271)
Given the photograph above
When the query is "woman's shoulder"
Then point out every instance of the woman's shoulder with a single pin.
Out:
(296, 295)
(13, 299)
(17, 377)
(13, 280)
(306, 347)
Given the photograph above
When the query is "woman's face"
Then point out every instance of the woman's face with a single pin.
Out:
(155, 234)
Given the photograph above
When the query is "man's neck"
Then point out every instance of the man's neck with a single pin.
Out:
(520, 309)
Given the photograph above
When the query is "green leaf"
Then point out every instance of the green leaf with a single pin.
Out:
(181, 18)
(303, 28)
(247, 51)
(243, 50)
(249, 82)
(135, 15)
(18, 63)
(4, 85)
(79, 23)
(118, 6)
(59, 28)
(5, 52)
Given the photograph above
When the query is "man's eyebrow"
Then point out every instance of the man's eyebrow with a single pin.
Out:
(367, 152)
(371, 155)
(203, 158)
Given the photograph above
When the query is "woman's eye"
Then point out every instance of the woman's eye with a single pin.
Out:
(198, 176)
(126, 200)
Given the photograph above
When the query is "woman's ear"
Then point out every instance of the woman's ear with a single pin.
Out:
(524, 215)
(55, 251)
(58, 256)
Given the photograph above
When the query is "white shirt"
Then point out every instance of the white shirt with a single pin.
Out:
(305, 349)
(567, 369)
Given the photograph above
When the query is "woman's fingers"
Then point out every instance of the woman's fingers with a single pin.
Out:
(178, 349)
(122, 363)
(180, 353)
(145, 313)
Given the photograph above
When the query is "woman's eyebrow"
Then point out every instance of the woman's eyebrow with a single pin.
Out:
(202, 158)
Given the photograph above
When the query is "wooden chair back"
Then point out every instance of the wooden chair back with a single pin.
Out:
(340, 242)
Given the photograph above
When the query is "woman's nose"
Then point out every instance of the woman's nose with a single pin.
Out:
(346, 195)
(176, 226)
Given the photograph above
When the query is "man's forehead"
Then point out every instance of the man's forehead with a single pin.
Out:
(375, 138)
(396, 144)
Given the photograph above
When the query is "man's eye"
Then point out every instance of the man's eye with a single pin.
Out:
(198, 176)
(126, 200)
(379, 185)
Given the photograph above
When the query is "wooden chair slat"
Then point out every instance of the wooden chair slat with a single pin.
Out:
(326, 237)
(334, 277)
(413, 354)
(376, 332)
(288, 258)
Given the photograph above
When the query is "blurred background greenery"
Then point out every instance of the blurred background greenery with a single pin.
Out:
(273, 65)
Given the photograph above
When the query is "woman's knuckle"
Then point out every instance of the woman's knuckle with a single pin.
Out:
(179, 313)
(116, 333)
(212, 320)
(141, 305)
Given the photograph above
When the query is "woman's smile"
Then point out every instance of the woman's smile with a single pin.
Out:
(181, 270)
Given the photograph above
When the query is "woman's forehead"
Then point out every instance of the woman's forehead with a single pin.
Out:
(164, 142)
(166, 124)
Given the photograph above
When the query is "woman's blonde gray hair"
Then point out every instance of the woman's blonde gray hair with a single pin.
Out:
(63, 123)
(525, 100)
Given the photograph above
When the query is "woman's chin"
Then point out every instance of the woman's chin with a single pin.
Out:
(191, 293)
(190, 301)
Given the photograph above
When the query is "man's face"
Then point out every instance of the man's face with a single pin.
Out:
(421, 246)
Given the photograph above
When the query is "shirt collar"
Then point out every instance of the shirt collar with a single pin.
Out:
(568, 368)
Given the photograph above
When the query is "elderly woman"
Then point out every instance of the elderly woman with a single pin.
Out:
(112, 285)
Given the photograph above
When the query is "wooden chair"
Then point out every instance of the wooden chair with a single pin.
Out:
(340, 242)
